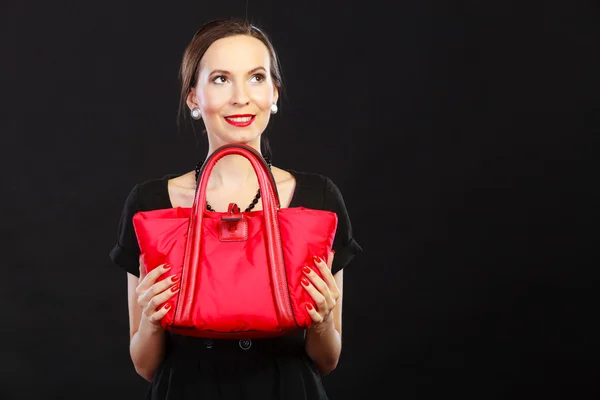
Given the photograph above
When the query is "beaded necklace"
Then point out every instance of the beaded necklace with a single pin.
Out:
(254, 201)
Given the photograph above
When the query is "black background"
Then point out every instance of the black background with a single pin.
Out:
(456, 134)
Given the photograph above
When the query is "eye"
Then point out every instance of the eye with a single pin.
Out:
(220, 79)
(258, 78)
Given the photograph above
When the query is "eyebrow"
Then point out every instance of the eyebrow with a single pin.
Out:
(222, 71)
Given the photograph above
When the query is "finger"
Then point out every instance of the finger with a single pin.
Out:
(160, 313)
(163, 285)
(319, 283)
(323, 266)
(330, 259)
(158, 300)
(325, 270)
(153, 275)
(144, 288)
(314, 315)
(156, 289)
(142, 268)
(317, 296)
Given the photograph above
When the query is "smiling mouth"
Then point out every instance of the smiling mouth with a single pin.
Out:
(240, 120)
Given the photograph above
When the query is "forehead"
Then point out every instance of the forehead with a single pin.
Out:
(234, 53)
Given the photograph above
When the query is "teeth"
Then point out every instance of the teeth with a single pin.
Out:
(240, 119)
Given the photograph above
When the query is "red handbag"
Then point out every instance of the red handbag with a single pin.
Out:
(240, 271)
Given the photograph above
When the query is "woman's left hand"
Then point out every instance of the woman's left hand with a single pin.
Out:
(324, 292)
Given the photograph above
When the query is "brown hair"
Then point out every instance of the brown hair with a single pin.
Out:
(204, 37)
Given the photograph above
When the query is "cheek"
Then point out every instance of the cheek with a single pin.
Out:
(263, 97)
(213, 99)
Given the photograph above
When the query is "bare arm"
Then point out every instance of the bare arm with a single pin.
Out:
(323, 343)
(147, 337)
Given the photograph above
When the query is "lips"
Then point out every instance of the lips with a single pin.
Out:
(240, 120)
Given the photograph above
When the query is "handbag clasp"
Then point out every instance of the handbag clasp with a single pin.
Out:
(233, 227)
(233, 214)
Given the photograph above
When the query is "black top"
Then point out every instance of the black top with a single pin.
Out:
(229, 369)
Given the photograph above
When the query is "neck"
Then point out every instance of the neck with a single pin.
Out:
(232, 171)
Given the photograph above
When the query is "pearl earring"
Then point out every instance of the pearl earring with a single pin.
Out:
(274, 108)
(196, 113)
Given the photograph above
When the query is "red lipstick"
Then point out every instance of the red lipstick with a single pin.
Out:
(240, 120)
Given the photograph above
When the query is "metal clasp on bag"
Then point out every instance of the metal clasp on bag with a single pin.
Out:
(233, 227)
(233, 213)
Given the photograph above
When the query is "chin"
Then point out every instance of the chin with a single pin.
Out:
(242, 137)
(246, 139)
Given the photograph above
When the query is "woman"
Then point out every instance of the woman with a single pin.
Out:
(231, 81)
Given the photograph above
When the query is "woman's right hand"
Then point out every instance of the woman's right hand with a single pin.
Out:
(152, 295)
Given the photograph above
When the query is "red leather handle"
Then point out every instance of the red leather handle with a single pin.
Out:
(270, 203)
(247, 152)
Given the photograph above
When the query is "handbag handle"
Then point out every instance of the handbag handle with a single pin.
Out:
(271, 205)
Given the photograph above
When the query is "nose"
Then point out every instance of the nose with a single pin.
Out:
(240, 94)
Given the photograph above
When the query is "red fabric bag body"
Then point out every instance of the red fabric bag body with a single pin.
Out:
(240, 272)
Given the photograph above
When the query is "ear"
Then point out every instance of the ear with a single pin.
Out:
(191, 99)
(275, 94)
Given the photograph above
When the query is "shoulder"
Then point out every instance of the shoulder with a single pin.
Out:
(151, 193)
(311, 180)
(315, 190)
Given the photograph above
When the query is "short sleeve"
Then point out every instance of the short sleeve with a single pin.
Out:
(344, 245)
(126, 251)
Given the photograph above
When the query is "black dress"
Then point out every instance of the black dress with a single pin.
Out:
(196, 368)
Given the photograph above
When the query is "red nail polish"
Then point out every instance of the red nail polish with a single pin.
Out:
(309, 306)
(167, 266)
(306, 270)
(167, 306)
(174, 288)
(317, 259)
(175, 278)
(304, 281)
